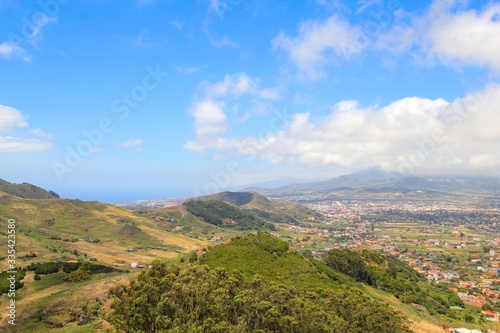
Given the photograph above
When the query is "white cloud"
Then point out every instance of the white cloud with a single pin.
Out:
(12, 50)
(239, 84)
(470, 37)
(320, 43)
(41, 134)
(13, 144)
(409, 135)
(132, 143)
(31, 32)
(11, 118)
(209, 118)
(447, 33)
(13, 121)
(210, 110)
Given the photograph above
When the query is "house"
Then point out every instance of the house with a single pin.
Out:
(463, 330)
(490, 315)
(216, 239)
(466, 297)
(481, 299)
(137, 265)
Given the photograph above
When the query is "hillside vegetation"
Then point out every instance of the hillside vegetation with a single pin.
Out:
(26, 190)
(394, 276)
(222, 214)
(74, 251)
(71, 253)
(211, 296)
(62, 229)
(276, 211)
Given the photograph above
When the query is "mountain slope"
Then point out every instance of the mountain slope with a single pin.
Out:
(26, 190)
(267, 293)
(278, 211)
(223, 214)
(372, 181)
(54, 228)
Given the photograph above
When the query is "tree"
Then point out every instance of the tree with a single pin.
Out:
(202, 299)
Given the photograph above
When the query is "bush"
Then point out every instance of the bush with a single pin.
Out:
(5, 284)
(78, 275)
(70, 267)
(45, 268)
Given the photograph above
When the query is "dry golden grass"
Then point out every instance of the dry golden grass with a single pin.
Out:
(422, 326)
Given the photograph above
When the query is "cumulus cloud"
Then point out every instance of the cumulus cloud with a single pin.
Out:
(210, 110)
(446, 33)
(11, 118)
(13, 122)
(209, 117)
(409, 135)
(319, 43)
(470, 37)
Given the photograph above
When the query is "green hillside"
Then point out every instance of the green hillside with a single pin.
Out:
(26, 190)
(75, 252)
(276, 211)
(222, 214)
(267, 288)
(395, 276)
(57, 296)
(62, 229)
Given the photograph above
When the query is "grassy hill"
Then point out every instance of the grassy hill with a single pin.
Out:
(425, 306)
(272, 286)
(276, 211)
(222, 214)
(54, 231)
(49, 229)
(255, 283)
(26, 190)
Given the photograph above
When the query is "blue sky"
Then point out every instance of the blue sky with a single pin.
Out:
(125, 100)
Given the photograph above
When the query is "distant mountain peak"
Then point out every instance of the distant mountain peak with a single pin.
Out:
(377, 180)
